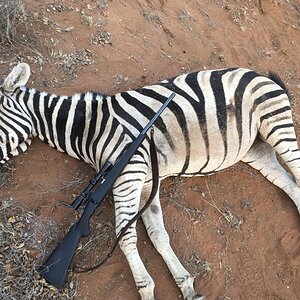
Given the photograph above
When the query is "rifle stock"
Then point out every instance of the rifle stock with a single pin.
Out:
(56, 267)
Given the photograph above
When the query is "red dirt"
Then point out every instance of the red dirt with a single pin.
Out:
(254, 256)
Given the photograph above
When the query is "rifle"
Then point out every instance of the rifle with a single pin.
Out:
(56, 267)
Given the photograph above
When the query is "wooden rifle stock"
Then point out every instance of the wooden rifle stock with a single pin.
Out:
(56, 267)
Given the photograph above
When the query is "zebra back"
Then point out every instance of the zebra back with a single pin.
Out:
(211, 124)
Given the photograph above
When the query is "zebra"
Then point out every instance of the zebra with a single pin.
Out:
(217, 118)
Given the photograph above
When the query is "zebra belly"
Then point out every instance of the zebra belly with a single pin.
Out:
(200, 160)
(200, 165)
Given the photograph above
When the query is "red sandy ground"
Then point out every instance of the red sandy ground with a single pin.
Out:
(257, 254)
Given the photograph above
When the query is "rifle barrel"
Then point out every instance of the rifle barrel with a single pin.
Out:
(161, 109)
(120, 164)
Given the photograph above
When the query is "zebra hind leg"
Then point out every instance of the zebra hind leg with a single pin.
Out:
(262, 157)
(153, 220)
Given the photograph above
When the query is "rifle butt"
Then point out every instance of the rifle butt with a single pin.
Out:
(56, 267)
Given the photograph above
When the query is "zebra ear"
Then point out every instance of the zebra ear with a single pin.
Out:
(17, 77)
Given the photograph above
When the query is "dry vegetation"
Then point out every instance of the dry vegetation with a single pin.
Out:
(24, 241)
(6, 173)
(24, 238)
(12, 17)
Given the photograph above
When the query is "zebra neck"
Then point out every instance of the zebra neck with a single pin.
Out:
(71, 124)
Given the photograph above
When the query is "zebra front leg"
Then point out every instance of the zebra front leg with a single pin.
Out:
(153, 220)
(127, 201)
(262, 157)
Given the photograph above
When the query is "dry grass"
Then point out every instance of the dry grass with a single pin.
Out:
(72, 187)
(18, 39)
(12, 16)
(102, 37)
(155, 17)
(243, 14)
(194, 214)
(186, 18)
(102, 4)
(201, 268)
(233, 221)
(24, 238)
(6, 175)
(69, 64)
(293, 16)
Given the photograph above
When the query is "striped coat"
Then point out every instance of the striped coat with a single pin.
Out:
(216, 119)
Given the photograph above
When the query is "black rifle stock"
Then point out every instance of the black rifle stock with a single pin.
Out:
(56, 267)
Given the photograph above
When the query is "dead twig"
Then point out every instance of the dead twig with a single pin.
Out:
(261, 7)
(11, 12)
(233, 221)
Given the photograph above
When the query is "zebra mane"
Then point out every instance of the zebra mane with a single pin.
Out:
(103, 96)
(276, 78)
(88, 94)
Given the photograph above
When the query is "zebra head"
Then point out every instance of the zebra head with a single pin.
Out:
(15, 121)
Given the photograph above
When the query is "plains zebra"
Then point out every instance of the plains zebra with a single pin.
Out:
(217, 118)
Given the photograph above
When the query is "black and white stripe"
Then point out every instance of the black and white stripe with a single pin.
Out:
(217, 118)
(211, 124)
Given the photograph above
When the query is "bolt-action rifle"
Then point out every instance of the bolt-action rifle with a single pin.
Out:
(56, 267)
